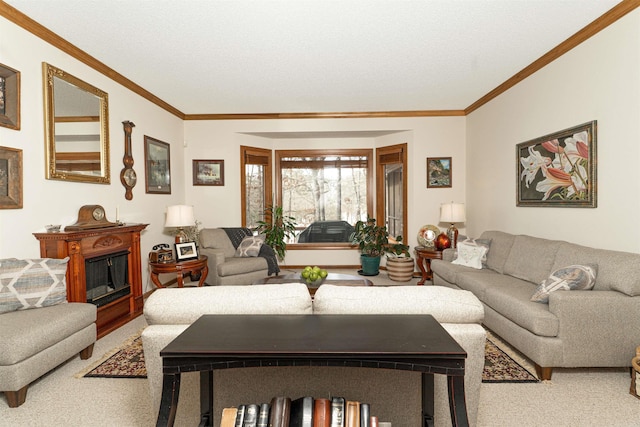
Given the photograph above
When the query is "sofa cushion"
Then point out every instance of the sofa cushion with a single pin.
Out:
(572, 277)
(445, 304)
(27, 332)
(216, 238)
(236, 265)
(478, 281)
(501, 243)
(512, 301)
(32, 283)
(448, 271)
(470, 254)
(250, 246)
(531, 258)
(167, 306)
(616, 270)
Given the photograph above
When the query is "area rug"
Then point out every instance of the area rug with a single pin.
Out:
(503, 364)
(500, 365)
(125, 361)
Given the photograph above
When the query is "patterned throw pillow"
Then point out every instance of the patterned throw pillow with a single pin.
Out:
(573, 277)
(479, 242)
(32, 283)
(250, 246)
(470, 254)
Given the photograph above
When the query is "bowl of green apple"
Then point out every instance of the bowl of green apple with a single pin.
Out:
(313, 276)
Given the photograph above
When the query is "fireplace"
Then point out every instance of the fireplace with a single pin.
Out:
(107, 278)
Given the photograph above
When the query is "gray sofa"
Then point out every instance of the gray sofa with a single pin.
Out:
(394, 395)
(225, 268)
(587, 328)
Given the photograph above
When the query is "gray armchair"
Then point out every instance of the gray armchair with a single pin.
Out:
(225, 267)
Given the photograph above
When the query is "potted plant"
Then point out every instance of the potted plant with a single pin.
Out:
(400, 265)
(373, 242)
(277, 228)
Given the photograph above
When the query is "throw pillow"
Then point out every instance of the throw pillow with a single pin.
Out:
(573, 277)
(479, 242)
(250, 246)
(32, 283)
(470, 255)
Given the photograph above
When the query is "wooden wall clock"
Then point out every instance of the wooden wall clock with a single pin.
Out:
(128, 176)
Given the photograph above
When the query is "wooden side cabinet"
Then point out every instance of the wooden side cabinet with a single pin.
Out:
(82, 247)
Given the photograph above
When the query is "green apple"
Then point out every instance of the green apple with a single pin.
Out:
(316, 269)
(313, 276)
(323, 273)
(305, 273)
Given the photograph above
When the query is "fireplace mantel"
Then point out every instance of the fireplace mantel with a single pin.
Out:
(80, 246)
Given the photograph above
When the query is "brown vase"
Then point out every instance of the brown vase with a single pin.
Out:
(443, 242)
(400, 269)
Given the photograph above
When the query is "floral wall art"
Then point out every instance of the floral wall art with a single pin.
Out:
(558, 169)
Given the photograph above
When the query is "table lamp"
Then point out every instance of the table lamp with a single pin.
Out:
(180, 216)
(452, 213)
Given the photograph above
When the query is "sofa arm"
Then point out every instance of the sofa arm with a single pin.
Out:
(597, 328)
(215, 257)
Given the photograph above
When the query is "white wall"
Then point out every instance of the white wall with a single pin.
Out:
(426, 137)
(57, 202)
(598, 80)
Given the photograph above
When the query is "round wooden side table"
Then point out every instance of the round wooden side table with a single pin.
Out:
(180, 268)
(424, 257)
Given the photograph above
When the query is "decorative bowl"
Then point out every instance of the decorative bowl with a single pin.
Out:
(52, 228)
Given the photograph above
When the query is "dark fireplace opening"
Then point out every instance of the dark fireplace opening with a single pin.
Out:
(107, 278)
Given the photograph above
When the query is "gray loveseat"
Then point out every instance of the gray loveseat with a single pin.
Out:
(39, 330)
(587, 328)
(394, 395)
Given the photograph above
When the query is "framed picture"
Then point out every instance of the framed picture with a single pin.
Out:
(157, 166)
(9, 97)
(438, 172)
(10, 178)
(208, 172)
(558, 169)
(185, 251)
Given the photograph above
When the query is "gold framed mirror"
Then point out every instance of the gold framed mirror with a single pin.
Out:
(76, 116)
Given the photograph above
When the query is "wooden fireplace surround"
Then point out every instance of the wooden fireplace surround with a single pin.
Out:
(86, 244)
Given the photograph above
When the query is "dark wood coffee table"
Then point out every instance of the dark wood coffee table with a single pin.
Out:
(331, 279)
(406, 342)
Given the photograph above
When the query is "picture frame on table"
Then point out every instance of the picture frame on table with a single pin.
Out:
(9, 97)
(559, 169)
(208, 172)
(439, 172)
(157, 166)
(10, 178)
(186, 251)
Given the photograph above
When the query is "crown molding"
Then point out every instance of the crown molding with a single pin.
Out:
(614, 14)
(599, 24)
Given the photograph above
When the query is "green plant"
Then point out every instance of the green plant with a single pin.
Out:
(373, 240)
(277, 228)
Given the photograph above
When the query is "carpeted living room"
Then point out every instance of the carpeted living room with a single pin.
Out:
(332, 112)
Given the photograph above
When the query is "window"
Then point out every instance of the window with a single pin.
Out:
(325, 190)
(255, 181)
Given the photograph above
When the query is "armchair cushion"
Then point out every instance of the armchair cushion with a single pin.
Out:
(250, 246)
(32, 283)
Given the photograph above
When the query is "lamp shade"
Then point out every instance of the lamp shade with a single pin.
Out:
(180, 216)
(452, 212)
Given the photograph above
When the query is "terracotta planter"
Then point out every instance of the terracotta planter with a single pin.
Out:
(400, 269)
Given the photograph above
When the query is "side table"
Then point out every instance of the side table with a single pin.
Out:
(424, 257)
(180, 268)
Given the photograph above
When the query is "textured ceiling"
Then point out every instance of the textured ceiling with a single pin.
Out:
(225, 57)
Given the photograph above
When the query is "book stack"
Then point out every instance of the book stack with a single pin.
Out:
(305, 411)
